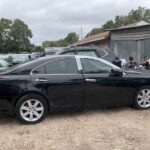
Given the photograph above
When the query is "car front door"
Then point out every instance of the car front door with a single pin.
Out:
(62, 81)
(101, 89)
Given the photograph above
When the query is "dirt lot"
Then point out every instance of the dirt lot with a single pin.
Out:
(109, 129)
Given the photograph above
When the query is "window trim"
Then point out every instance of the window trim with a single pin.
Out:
(78, 68)
(98, 59)
(79, 65)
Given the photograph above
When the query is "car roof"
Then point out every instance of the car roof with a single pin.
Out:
(83, 48)
(99, 48)
(76, 48)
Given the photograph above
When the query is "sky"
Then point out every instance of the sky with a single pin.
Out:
(54, 19)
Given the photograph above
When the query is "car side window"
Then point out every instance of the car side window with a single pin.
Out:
(94, 66)
(87, 53)
(40, 70)
(62, 66)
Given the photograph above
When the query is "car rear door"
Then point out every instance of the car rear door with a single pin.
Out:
(62, 81)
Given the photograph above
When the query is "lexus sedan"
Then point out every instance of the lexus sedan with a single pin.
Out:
(33, 89)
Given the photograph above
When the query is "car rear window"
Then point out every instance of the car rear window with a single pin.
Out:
(62, 66)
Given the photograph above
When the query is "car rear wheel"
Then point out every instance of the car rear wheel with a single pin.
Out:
(142, 99)
(31, 109)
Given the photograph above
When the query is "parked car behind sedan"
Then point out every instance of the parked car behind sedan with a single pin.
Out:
(33, 89)
(35, 55)
(52, 50)
(100, 52)
(4, 65)
(16, 59)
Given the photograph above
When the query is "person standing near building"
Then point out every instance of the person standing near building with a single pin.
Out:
(131, 64)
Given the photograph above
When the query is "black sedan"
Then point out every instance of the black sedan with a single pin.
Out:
(33, 89)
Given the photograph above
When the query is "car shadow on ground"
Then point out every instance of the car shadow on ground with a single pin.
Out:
(6, 118)
(74, 111)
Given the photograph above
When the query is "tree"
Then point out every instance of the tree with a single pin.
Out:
(5, 26)
(20, 36)
(14, 36)
(95, 31)
(146, 16)
(35, 48)
(108, 25)
(70, 39)
(139, 14)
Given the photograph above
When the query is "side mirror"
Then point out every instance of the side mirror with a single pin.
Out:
(116, 73)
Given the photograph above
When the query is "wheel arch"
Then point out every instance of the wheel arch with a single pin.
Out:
(140, 88)
(137, 90)
(31, 92)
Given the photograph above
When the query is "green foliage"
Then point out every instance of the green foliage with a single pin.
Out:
(109, 24)
(95, 31)
(5, 26)
(34, 48)
(140, 14)
(70, 39)
(14, 36)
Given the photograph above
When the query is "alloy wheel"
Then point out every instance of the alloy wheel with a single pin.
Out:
(31, 110)
(143, 98)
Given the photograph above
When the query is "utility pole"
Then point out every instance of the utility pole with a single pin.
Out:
(81, 33)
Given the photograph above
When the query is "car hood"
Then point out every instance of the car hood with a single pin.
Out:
(138, 73)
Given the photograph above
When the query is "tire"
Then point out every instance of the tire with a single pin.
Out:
(31, 109)
(142, 98)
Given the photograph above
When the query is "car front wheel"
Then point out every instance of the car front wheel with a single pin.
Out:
(31, 109)
(142, 98)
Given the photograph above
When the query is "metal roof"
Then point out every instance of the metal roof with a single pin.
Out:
(94, 38)
(130, 26)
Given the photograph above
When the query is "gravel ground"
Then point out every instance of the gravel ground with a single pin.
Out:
(104, 129)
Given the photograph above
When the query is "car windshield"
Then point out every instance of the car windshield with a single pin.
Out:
(4, 57)
(19, 57)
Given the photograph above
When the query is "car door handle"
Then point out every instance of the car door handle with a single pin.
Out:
(41, 80)
(90, 80)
